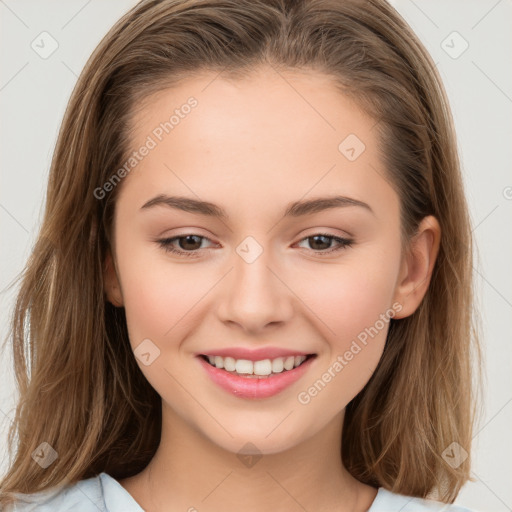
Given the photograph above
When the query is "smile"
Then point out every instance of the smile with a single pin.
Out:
(260, 379)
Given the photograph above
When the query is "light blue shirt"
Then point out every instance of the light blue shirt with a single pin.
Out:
(105, 494)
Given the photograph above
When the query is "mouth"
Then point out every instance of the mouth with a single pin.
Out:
(260, 379)
(261, 369)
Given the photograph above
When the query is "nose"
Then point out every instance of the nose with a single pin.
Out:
(255, 295)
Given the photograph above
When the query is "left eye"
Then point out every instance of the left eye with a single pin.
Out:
(191, 244)
(320, 238)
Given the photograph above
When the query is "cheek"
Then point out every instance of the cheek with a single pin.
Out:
(351, 297)
(159, 299)
(154, 293)
(161, 302)
(353, 306)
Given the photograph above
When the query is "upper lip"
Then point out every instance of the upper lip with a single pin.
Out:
(257, 354)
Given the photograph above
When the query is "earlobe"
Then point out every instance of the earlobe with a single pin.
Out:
(111, 285)
(417, 266)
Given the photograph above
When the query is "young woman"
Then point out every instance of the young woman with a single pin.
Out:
(252, 285)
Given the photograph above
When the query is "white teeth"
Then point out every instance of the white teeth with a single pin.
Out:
(243, 366)
(289, 362)
(262, 368)
(277, 365)
(229, 364)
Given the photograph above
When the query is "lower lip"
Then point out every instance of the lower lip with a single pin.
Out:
(254, 387)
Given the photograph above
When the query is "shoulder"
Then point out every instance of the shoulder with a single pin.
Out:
(83, 496)
(387, 501)
(101, 493)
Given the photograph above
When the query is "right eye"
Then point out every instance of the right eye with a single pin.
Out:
(190, 242)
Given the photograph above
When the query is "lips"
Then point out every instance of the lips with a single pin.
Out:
(261, 374)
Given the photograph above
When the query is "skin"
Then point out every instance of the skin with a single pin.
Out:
(252, 146)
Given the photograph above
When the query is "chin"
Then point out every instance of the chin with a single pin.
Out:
(263, 438)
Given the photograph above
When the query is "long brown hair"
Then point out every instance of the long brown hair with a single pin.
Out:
(80, 388)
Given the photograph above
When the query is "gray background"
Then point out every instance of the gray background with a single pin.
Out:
(34, 92)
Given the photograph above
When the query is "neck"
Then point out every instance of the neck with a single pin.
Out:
(189, 472)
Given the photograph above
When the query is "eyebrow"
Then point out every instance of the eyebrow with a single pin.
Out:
(295, 209)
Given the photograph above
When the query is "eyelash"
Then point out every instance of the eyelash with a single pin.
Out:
(165, 243)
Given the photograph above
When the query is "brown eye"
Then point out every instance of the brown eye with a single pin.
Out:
(321, 243)
(189, 242)
(187, 245)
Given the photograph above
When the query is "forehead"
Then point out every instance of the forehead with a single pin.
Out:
(308, 104)
(271, 135)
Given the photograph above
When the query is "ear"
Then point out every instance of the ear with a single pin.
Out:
(417, 265)
(111, 285)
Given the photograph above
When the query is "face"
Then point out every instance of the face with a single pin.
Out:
(264, 280)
